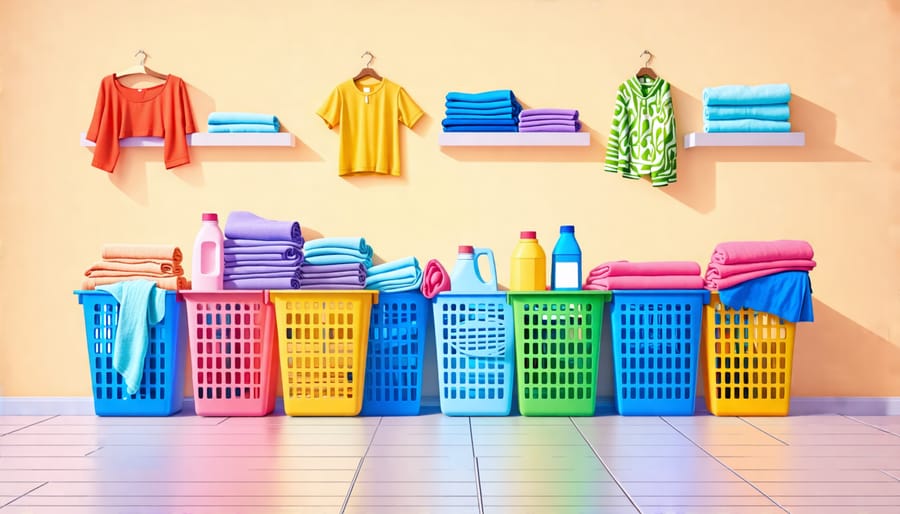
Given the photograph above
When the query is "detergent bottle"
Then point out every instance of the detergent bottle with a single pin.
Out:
(528, 270)
(466, 278)
(208, 264)
(565, 271)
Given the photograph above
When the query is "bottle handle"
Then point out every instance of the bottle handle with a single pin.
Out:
(490, 254)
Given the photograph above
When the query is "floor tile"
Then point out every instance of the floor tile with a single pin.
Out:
(422, 450)
(539, 488)
(406, 500)
(391, 474)
(415, 488)
(377, 463)
(867, 509)
(679, 451)
(878, 439)
(45, 450)
(831, 489)
(730, 488)
(814, 475)
(571, 451)
(17, 488)
(560, 437)
(557, 509)
(182, 502)
(546, 502)
(702, 501)
(387, 437)
(539, 462)
(395, 509)
(171, 509)
(232, 451)
(717, 509)
(596, 474)
(835, 501)
(742, 462)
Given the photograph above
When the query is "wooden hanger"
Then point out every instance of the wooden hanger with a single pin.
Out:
(646, 71)
(140, 69)
(368, 71)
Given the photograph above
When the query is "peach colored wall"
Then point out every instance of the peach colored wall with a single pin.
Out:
(284, 56)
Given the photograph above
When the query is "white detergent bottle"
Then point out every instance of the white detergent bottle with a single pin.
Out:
(466, 278)
(208, 264)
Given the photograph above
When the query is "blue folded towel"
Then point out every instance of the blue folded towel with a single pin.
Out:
(787, 295)
(141, 304)
(242, 128)
(398, 284)
(405, 262)
(775, 112)
(764, 94)
(468, 113)
(499, 104)
(485, 96)
(352, 243)
(454, 122)
(229, 118)
(482, 128)
(746, 126)
(338, 258)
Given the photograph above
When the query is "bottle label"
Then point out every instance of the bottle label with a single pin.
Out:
(567, 275)
(209, 262)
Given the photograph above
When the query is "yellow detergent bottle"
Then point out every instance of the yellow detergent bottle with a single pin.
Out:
(528, 269)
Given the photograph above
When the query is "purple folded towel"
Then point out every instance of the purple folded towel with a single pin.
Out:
(551, 128)
(261, 259)
(539, 123)
(547, 117)
(263, 283)
(246, 225)
(570, 113)
(286, 250)
(256, 243)
(261, 272)
(307, 285)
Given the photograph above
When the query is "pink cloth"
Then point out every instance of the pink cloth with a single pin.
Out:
(656, 268)
(733, 280)
(742, 252)
(435, 279)
(714, 271)
(646, 282)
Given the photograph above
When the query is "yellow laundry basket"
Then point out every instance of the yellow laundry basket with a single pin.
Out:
(322, 342)
(747, 356)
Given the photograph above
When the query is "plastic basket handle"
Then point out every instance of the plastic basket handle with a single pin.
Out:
(490, 255)
(494, 350)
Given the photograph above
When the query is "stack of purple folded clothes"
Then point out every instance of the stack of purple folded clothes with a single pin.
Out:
(262, 253)
(549, 120)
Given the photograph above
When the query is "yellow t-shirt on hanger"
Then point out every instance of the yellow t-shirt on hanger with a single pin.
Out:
(366, 114)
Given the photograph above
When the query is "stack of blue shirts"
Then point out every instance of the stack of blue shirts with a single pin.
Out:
(489, 111)
(242, 122)
(262, 253)
(761, 108)
(395, 276)
(335, 263)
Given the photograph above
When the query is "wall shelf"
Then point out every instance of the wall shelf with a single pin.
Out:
(744, 139)
(212, 139)
(514, 138)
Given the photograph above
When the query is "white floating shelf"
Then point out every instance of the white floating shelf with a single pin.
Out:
(514, 138)
(212, 139)
(744, 139)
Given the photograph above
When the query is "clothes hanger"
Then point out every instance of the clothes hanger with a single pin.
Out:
(368, 71)
(140, 69)
(646, 71)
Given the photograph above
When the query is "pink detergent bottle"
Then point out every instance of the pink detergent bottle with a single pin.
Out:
(208, 264)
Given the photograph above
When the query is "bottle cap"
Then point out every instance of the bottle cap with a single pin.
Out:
(528, 234)
(567, 229)
(466, 249)
(210, 216)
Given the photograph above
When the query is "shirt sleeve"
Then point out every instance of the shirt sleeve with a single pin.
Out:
(616, 135)
(330, 111)
(181, 123)
(103, 132)
(410, 112)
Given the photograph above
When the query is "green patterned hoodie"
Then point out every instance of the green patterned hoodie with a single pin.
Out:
(642, 139)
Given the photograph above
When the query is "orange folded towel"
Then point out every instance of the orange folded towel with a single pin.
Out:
(154, 266)
(117, 273)
(171, 283)
(142, 251)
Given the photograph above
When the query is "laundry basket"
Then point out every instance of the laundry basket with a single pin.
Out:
(161, 391)
(557, 348)
(322, 340)
(656, 345)
(232, 341)
(748, 357)
(396, 350)
(475, 352)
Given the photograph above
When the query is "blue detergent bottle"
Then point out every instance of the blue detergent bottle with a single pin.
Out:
(466, 278)
(566, 266)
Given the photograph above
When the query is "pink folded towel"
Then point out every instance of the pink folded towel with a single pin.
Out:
(626, 268)
(158, 266)
(714, 270)
(435, 279)
(646, 282)
(733, 280)
(742, 252)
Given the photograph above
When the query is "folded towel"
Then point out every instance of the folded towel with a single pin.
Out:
(243, 128)
(435, 279)
(452, 122)
(246, 225)
(746, 125)
(483, 105)
(272, 273)
(485, 96)
(539, 123)
(170, 283)
(646, 282)
(262, 259)
(571, 114)
(740, 278)
(228, 118)
(407, 274)
(398, 285)
(742, 252)
(119, 273)
(482, 128)
(350, 243)
(285, 250)
(652, 268)
(764, 94)
(348, 282)
(310, 268)
(336, 258)
(141, 305)
(399, 264)
(775, 112)
(241, 269)
(509, 111)
(715, 270)
(329, 285)
(165, 267)
(252, 244)
(787, 295)
(546, 117)
(551, 128)
(142, 252)
(263, 283)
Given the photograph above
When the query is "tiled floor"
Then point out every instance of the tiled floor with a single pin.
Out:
(438, 464)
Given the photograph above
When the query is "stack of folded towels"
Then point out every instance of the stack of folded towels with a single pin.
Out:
(335, 263)
(262, 253)
(549, 120)
(489, 111)
(768, 276)
(762, 108)
(395, 276)
(242, 122)
(645, 275)
(122, 262)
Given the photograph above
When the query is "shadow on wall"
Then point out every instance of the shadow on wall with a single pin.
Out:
(595, 152)
(696, 186)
